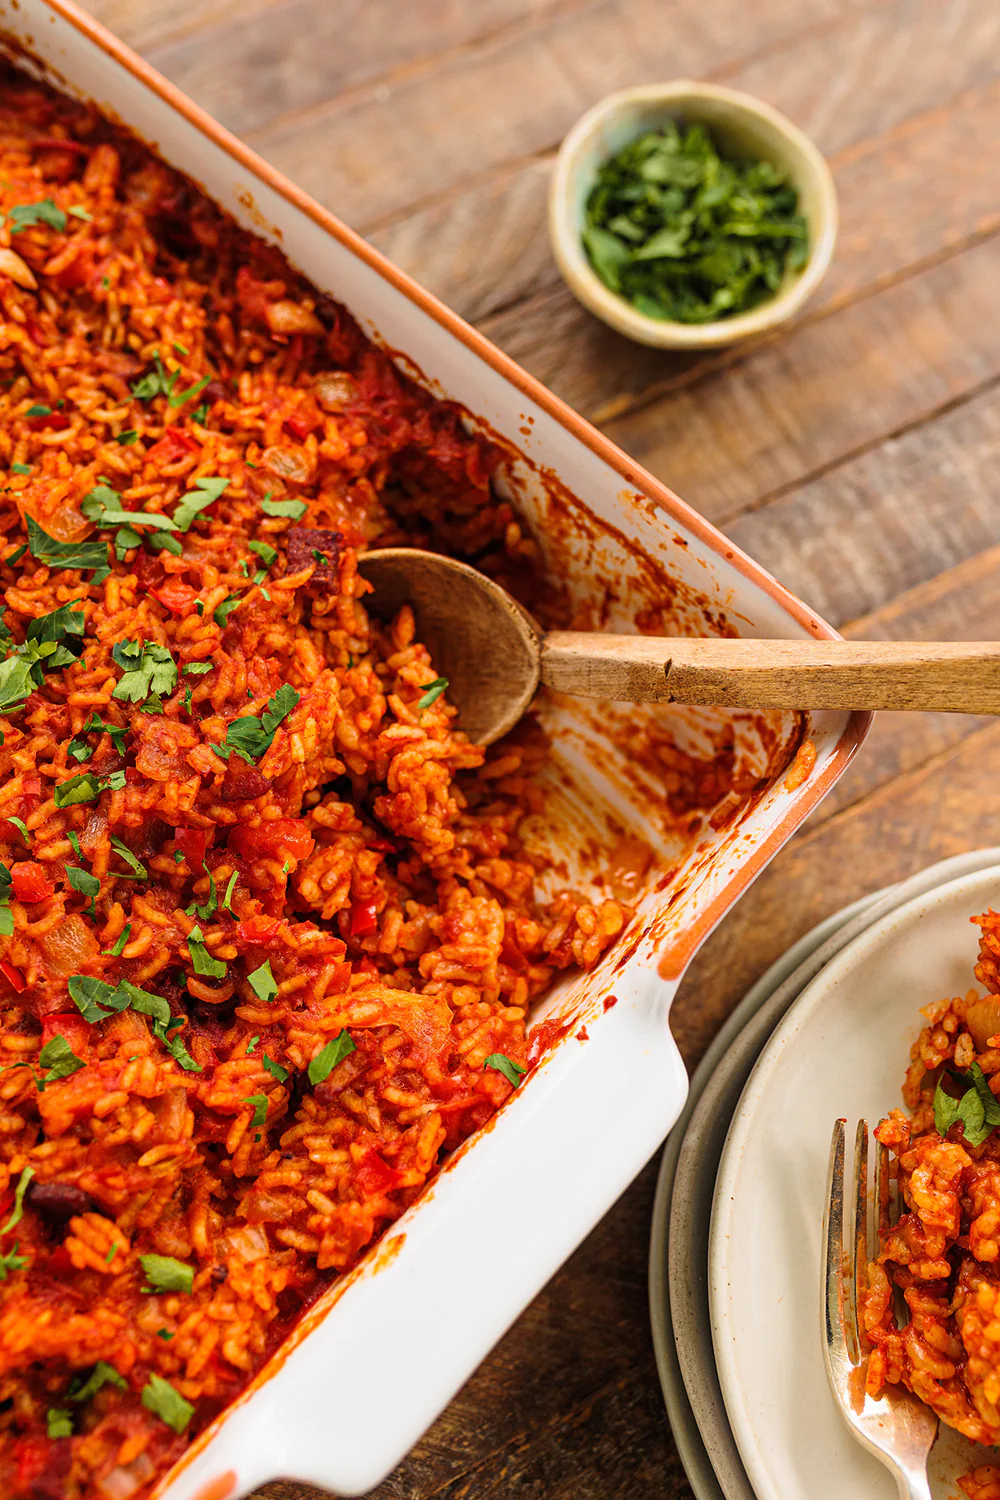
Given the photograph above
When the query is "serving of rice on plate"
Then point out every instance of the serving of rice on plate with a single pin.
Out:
(943, 1256)
(269, 935)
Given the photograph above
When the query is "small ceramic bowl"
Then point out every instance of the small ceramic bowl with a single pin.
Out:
(741, 125)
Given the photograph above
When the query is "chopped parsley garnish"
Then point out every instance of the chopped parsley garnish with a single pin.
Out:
(333, 1053)
(211, 905)
(111, 1253)
(252, 737)
(229, 893)
(201, 960)
(179, 348)
(6, 915)
(16, 555)
(167, 1274)
(83, 787)
(81, 751)
(198, 668)
(25, 215)
(266, 553)
(17, 1211)
(58, 1423)
(262, 982)
(39, 411)
(81, 213)
(103, 506)
(88, 885)
(259, 1102)
(501, 1063)
(15, 683)
(205, 493)
(148, 668)
(200, 414)
(251, 1044)
(977, 1108)
(274, 1068)
(59, 1059)
(21, 827)
(135, 865)
(225, 609)
(60, 625)
(129, 436)
(164, 1333)
(120, 941)
(96, 1000)
(75, 842)
(432, 693)
(22, 469)
(46, 549)
(685, 233)
(169, 1405)
(82, 1389)
(12, 1261)
(178, 398)
(294, 510)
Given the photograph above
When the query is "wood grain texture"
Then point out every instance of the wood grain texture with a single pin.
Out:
(855, 455)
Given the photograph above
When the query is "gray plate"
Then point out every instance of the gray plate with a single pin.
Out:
(678, 1257)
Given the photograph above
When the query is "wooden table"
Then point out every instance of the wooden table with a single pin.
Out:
(857, 456)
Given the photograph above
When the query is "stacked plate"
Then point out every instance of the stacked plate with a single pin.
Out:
(735, 1252)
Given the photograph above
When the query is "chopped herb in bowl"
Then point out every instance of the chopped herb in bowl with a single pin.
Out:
(688, 234)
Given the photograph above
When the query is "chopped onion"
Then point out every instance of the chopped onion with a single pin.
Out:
(68, 946)
(288, 463)
(13, 266)
(126, 1479)
(249, 1243)
(290, 318)
(335, 389)
(983, 1021)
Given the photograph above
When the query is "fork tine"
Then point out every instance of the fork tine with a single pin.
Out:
(859, 1240)
(882, 1186)
(835, 1344)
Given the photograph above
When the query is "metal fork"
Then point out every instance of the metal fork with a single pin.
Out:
(898, 1428)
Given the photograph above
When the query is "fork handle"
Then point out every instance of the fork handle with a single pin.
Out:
(913, 1484)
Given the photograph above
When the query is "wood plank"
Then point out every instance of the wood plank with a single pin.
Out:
(856, 537)
(906, 199)
(959, 604)
(249, 69)
(942, 808)
(375, 154)
(794, 406)
(145, 26)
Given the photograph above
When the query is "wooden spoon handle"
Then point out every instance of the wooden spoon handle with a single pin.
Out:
(949, 676)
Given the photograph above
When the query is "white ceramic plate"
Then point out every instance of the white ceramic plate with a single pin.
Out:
(841, 1050)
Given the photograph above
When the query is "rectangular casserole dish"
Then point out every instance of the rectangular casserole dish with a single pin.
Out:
(328, 1409)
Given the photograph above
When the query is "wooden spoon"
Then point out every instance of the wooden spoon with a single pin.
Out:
(494, 656)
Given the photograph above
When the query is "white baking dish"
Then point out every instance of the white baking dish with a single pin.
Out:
(332, 1408)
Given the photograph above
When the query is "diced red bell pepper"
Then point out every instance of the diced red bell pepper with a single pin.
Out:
(300, 425)
(56, 421)
(363, 918)
(60, 1262)
(30, 881)
(72, 1026)
(175, 596)
(13, 976)
(192, 842)
(373, 1175)
(174, 444)
(259, 929)
(285, 838)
